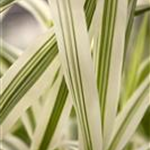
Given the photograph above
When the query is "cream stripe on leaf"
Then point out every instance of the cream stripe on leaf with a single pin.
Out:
(57, 116)
(108, 58)
(53, 117)
(11, 54)
(17, 81)
(51, 45)
(78, 69)
(130, 20)
(30, 97)
(14, 108)
(129, 118)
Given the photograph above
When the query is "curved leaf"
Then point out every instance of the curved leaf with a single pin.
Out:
(17, 81)
(130, 117)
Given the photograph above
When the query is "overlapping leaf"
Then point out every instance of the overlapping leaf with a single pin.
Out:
(109, 36)
(78, 68)
(29, 65)
(129, 119)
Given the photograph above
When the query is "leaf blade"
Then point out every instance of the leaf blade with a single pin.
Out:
(74, 63)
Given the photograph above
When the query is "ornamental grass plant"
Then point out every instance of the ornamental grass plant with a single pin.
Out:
(74, 75)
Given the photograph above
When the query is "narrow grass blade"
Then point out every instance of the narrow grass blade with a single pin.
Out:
(55, 112)
(130, 82)
(25, 101)
(96, 23)
(131, 10)
(25, 72)
(13, 73)
(30, 97)
(11, 54)
(78, 68)
(51, 44)
(130, 117)
(108, 58)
